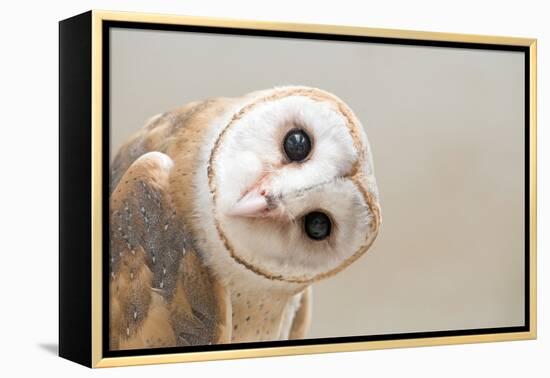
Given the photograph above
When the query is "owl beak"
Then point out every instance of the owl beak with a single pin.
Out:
(253, 204)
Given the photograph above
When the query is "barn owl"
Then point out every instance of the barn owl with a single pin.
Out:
(224, 212)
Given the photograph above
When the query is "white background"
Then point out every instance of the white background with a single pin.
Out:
(29, 189)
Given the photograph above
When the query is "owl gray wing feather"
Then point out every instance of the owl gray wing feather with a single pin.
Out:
(160, 293)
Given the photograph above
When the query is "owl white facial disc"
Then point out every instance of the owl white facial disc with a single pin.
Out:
(292, 188)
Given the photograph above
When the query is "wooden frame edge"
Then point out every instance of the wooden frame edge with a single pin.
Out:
(97, 190)
(309, 349)
(98, 16)
(533, 186)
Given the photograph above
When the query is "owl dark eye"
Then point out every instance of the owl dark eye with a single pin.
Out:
(297, 145)
(317, 225)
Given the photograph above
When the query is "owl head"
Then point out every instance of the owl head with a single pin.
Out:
(292, 195)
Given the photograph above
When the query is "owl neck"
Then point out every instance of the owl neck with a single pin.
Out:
(241, 278)
(260, 309)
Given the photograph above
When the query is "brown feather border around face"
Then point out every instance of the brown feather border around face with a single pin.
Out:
(355, 176)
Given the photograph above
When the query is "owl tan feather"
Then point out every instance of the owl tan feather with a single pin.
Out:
(219, 226)
(160, 293)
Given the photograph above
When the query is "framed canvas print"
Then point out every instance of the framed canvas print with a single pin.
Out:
(237, 188)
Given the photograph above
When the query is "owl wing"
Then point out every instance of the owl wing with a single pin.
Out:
(160, 293)
(302, 317)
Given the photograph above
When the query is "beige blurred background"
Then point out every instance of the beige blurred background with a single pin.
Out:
(446, 128)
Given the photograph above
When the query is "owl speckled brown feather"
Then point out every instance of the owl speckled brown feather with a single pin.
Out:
(186, 269)
(160, 293)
